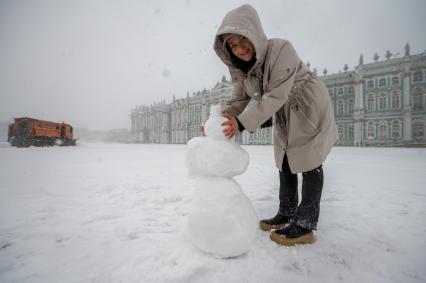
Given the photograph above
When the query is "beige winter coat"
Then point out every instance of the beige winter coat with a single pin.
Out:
(283, 86)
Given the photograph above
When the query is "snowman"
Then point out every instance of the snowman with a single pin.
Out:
(221, 220)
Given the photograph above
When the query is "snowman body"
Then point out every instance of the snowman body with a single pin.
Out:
(221, 220)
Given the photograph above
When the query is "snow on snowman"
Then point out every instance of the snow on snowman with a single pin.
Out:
(221, 220)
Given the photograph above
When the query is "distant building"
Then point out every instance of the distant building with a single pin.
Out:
(377, 104)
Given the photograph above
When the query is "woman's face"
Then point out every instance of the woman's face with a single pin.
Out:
(241, 47)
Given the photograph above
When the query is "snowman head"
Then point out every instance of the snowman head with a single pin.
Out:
(213, 127)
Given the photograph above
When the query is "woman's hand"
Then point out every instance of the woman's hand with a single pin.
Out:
(231, 126)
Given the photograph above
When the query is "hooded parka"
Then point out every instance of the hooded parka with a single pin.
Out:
(304, 125)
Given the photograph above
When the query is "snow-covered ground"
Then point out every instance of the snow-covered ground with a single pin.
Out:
(113, 213)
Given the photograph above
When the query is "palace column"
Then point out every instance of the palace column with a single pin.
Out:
(407, 129)
(359, 110)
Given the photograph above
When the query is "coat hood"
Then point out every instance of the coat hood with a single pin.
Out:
(243, 21)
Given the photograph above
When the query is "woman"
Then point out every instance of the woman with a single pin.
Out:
(271, 72)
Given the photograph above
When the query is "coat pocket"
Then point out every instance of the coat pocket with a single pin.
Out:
(305, 121)
(306, 108)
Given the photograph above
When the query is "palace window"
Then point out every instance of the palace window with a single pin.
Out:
(382, 82)
(341, 130)
(340, 91)
(351, 90)
(182, 117)
(396, 130)
(351, 106)
(370, 102)
(330, 92)
(383, 132)
(418, 130)
(418, 100)
(370, 84)
(395, 100)
(370, 130)
(382, 101)
(395, 81)
(351, 132)
(340, 107)
(418, 76)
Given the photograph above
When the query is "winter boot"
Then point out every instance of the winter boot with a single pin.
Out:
(288, 200)
(292, 235)
(277, 222)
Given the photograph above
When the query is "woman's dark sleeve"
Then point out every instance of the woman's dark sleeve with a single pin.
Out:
(240, 126)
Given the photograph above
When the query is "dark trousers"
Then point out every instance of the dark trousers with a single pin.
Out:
(307, 212)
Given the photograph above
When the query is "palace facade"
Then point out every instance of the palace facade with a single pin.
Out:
(382, 103)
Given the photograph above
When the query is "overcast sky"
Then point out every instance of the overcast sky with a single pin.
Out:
(90, 62)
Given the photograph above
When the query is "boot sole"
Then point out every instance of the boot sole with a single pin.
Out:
(268, 227)
(302, 240)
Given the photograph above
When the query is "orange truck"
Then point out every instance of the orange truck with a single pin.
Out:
(28, 131)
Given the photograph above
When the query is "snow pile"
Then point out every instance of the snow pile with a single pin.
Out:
(215, 155)
(222, 220)
(213, 127)
(209, 157)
